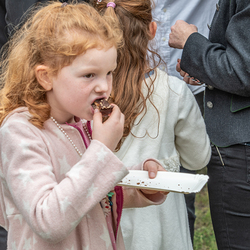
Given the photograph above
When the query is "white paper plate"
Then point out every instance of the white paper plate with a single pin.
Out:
(165, 181)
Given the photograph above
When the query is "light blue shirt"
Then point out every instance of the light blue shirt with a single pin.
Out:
(166, 13)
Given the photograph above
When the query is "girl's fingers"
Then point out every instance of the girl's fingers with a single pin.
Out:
(116, 113)
(97, 117)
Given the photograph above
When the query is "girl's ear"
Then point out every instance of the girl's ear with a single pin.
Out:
(43, 78)
(152, 29)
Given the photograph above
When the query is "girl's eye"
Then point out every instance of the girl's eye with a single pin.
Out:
(89, 75)
(110, 73)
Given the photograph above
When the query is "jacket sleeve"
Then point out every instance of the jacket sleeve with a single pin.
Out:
(52, 208)
(17, 15)
(191, 139)
(223, 66)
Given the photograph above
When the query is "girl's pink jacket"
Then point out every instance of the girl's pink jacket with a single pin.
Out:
(49, 195)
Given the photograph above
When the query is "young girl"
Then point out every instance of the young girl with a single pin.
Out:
(55, 193)
(162, 120)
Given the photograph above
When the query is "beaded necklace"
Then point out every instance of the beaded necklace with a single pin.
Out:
(106, 202)
(67, 136)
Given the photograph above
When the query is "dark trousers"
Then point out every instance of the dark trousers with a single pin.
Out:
(3, 239)
(229, 196)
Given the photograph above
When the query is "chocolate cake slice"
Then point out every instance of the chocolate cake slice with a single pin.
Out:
(103, 105)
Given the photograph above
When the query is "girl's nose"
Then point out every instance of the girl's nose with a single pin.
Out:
(102, 85)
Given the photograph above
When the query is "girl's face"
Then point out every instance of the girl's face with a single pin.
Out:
(78, 85)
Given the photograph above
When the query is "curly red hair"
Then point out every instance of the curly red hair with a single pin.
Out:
(54, 35)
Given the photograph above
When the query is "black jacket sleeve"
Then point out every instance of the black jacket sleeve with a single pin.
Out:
(16, 11)
(3, 24)
(223, 60)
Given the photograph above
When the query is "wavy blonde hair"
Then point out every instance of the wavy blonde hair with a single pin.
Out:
(134, 18)
(54, 35)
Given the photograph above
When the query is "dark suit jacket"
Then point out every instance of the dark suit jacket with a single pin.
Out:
(3, 25)
(223, 63)
(13, 13)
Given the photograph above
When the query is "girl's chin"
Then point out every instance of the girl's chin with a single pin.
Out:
(88, 116)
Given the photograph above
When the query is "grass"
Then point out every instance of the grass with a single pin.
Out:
(204, 238)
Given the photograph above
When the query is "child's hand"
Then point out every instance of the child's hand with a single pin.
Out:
(152, 167)
(111, 131)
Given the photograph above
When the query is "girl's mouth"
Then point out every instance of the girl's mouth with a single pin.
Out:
(103, 105)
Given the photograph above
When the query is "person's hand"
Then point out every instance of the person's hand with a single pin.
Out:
(152, 167)
(185, 75)
(180, 32)
(111, 131)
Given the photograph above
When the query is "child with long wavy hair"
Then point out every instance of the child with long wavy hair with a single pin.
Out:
(58, 185)
(162, 120)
